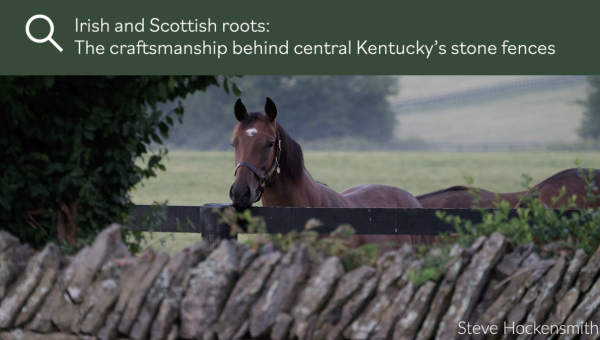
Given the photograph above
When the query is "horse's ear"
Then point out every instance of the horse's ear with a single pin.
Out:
(270, 109)
(240, 110)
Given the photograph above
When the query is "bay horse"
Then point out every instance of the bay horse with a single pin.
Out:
(270, 165)
(574, 184)
(461, 197)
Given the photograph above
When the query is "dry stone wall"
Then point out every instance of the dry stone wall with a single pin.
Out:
(234, 293)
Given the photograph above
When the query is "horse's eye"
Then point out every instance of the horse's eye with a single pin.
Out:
(233, 146)
(270, 145)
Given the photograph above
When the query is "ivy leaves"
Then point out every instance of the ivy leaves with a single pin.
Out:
(77, 140)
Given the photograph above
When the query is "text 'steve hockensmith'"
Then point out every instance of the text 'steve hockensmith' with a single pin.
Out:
(529, 329)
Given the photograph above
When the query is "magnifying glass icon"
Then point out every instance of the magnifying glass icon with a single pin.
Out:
(48, 38)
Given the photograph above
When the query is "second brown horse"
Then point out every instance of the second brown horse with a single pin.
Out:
(463, 197)
(270, 165)
(574, 183)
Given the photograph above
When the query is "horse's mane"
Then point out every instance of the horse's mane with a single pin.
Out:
(454, 188)
(292, 158)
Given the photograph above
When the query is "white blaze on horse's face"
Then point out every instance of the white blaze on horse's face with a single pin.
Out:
(251, 132)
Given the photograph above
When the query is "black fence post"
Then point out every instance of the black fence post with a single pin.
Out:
(209, 223)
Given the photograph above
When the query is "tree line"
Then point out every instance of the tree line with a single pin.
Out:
(312, 108)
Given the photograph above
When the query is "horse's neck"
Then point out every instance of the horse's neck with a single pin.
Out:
(304, 192)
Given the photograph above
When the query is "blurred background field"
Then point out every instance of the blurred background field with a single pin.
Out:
(418, 113)
(419, 133)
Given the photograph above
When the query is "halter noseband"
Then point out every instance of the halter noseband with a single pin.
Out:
(262, 179)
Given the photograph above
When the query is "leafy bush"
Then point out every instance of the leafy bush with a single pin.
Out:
(434, 259)
(536, 222)
(69, 147)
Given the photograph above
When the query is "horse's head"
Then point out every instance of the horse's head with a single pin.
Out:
(256, 150)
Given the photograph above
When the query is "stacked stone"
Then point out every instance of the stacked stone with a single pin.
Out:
(101, 292)
(234, 293)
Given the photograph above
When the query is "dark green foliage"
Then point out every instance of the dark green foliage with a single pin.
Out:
(433, 261)
(536, 222)
(311, 108)
(69, 145)
(590, 127)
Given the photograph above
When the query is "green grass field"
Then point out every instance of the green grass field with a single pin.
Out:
(196, 178)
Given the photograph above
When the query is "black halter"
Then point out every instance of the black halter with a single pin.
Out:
(262, 179)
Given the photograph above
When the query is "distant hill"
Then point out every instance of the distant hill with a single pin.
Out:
(527, 114)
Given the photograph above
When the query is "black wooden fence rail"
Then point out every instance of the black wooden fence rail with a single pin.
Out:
(366, 221)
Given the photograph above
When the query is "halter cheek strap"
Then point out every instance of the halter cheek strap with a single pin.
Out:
(262, 178)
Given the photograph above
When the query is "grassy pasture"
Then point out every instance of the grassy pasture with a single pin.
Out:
(196, 178)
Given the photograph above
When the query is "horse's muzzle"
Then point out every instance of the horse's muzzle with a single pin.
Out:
(241, 196)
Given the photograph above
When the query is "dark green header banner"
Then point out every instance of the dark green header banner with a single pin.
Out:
(309, 37)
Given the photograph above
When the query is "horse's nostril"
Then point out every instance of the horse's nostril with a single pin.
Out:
(240, 194)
